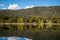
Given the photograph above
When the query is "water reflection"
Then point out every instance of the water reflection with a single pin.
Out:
(28, 27)
(13, 38)
(26, 31)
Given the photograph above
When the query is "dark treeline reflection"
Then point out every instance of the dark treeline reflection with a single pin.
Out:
(35, 32)
(29, 27)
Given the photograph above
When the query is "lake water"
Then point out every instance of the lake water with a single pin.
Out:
(13, 38)
(26, 32)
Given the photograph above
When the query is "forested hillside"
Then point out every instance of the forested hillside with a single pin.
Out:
(31, 15)
(35, 11)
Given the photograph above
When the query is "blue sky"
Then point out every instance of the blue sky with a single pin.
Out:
(19, 4)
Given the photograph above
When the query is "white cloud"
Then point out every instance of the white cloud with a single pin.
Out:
(28, 39)
(16, 7)
(17, 38)
(1, 4)
(13, 38)
(4, 8)
(10, 38)
(13, 7)
(29, 7)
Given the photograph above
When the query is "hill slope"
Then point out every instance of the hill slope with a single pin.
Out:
(40, 11)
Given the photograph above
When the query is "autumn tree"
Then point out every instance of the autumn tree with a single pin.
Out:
(20, 20)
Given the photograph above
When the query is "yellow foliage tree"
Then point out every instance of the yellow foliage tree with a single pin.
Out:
(20, 20)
